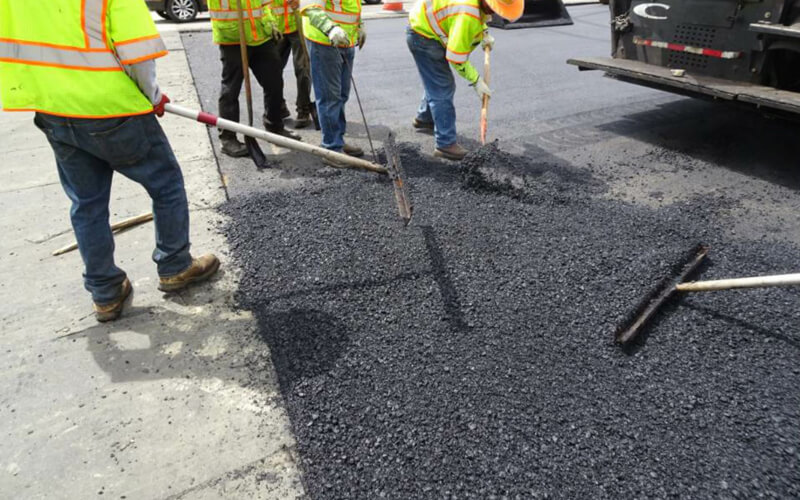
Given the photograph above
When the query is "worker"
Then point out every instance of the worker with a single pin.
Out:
(88, 71)
(441, 35)
(261, 36)
(333, 28)
(285, 12)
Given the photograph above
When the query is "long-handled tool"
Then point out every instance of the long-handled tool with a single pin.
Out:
(393, 168)
(298, 21)
(258, 156)
(485, 103)
(629, 330)
(115, 228)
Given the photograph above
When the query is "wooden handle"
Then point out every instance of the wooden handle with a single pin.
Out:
(245, 62)
(116, 227)
(730, 284)
(485, 103)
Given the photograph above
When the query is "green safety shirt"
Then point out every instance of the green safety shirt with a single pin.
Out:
(321, 16)
(285, 16)
(68, 57)
(258, 21)
(457, 24)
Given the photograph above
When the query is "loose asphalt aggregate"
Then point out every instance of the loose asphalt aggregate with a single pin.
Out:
(471, 354)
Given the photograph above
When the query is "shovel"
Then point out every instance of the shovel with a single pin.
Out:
(485, 104)
(298, 21)
(393, 169)
(258, 156)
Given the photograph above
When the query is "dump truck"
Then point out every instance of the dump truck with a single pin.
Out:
(739, 51)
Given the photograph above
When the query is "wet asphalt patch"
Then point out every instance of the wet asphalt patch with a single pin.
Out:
(470, 355)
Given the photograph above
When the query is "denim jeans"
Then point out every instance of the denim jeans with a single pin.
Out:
(331, 78)
(439, 84)
(88, 152)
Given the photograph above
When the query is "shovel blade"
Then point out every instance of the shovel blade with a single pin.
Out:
(395, 168)
(258, 156)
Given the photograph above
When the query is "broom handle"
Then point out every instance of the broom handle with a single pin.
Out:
(730, 284)
(278, 140)
(485, 104)
(245, 62)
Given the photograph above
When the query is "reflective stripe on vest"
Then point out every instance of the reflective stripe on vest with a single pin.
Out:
(233, 15)
(133, 51)
(456, 57)
(94, 22)
(343, 18)
(454, 9)
(433, 22)
(62, 57)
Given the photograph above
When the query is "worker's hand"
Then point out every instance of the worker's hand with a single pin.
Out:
(277, 34)
(362, 36)
(339, 37)
(481, 88)
(158, 109)
(487, 41)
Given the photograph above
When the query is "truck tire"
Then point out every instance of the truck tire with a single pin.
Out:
(182, 11)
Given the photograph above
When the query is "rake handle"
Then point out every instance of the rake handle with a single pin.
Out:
(731, 284)
(485, 103)
(278, 140)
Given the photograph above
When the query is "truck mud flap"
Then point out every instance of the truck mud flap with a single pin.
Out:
(537, 14)
(692, 85)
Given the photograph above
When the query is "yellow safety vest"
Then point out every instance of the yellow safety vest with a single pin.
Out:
(258, 21)
(345, 13)
(284, 15)
(65, 57)
(457, 24)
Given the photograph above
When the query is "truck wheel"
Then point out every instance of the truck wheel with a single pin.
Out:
(182, 11)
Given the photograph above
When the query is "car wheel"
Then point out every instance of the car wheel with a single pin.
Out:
(162, 14)
(182, 11)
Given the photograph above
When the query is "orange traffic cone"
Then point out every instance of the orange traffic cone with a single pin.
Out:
(390, 7)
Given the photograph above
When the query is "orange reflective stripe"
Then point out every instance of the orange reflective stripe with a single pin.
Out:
(42, 55)
(65, 115)
(93, 16)
(140, 50)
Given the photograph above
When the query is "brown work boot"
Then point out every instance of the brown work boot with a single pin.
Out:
(111, 311)
(201, 269)
(451, 152)
(234, 148)
(280, 130)
(419, 124)
(303, 119)
(353, 150)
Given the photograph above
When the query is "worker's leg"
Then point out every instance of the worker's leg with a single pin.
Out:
(86, 180)
(232, 79)
(302, 74)
(284, 48)
(265, 61)
(326, 75)
(347, 74)
(158, 171)
(439, 84)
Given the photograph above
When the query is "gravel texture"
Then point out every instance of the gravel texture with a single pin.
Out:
(470, 355)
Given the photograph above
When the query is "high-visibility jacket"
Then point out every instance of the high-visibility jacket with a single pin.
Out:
(65, 57)
(258, 21)
(284, 15)
(457, 24)
(344, 13)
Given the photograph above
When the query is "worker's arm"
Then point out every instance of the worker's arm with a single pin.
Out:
(318, 18)
(144, 74)
(465, 33)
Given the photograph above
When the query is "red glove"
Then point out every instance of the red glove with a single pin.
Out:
(159, 108)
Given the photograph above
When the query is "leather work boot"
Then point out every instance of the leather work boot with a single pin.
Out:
(280, 130)
(234, 148)
(303, 119)
(353, 150)
(419, 124)
(201, 269)
(111, 311)
(451, 152)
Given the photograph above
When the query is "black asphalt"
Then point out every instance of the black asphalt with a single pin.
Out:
(470, 355)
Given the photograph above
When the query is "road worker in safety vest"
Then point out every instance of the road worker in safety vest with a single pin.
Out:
(87, 69)
(262, 35)
(333, 28)
(441, 35)
(285, 12)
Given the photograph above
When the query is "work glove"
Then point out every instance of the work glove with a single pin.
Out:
(481, 88)
(362, 36)
(158, 109)
(338, 37)
(277, 34)
(487, 41)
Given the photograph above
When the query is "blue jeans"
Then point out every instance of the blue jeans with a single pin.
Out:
(88, 152)
(331, 79)
(440, 87)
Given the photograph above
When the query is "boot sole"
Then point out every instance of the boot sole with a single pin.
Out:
(440, 154)
(191, 281)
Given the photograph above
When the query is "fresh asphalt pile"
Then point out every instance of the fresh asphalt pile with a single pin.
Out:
(470, 355)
